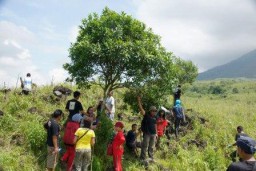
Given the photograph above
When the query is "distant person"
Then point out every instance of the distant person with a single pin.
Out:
(179, 116)
(245, 149)
(131, 138)
(177, 94)
(53, 131)
(27, 84)
(161, 126)
(100, 107)
(118, 148)
(240, 132)
(148, 127)
(110, 106)
(84, 140)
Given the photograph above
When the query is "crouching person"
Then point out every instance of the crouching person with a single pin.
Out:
(85, 139)
(118, 148)
(131, 137)
(245, 149)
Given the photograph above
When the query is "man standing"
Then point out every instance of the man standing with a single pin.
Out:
(74, 106)
(245, 149)
(53, 130)
(27, 84)
(178, 114)
(177, 94)
(110, 106)
(148, 127)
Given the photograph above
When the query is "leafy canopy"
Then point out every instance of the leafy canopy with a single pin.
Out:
(115, 50)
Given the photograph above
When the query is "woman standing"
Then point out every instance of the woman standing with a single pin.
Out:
(118, 148)
(85, 139)
(161, 125)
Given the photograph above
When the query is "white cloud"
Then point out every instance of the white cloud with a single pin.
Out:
(209, 33)
(58, 75)
(73, 33)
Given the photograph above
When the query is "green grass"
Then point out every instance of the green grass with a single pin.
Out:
(224, 113)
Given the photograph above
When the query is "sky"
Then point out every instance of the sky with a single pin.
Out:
(35, 35)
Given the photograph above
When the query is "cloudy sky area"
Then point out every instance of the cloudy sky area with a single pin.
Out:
(35, 35)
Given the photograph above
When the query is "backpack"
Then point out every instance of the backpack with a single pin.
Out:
(178, 112)
(69, 134)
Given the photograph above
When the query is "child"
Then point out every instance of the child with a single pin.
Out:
(118, 148)
(161, 125)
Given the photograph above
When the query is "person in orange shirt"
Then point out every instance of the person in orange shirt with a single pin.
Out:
(161, 123)
(118, 148)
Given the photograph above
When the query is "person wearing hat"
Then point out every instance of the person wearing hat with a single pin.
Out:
(118, 148)
(149, 129)
(245, 149)
(53, 131)
(178, 113)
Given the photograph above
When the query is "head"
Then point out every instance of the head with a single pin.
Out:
(57, 114)
(178, 103)
(87, 124)
(240, 129)
(90, 110)
(245, 147)
(110, 93)
(134, 127)
(28, 75)
(76, 94)
(179, 86)
(162, 114)
(119, 126)
(152, 110)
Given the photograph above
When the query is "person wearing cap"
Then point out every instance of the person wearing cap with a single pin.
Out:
(177, 94)
(53, 130)
(245, 149)
(149, 129)
(118, 148)
(178, 113)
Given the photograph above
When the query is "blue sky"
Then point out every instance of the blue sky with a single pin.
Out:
(35, 34)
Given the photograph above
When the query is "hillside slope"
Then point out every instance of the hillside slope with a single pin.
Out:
(241, 67)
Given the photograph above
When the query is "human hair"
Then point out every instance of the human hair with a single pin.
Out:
(159, 114)
(76, 94)
(28, 75)
(90, 107)
(240, 128)
(57, 113)
(133, 125)
(87, 124)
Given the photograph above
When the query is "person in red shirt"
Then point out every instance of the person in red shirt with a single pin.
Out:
(118, 148)
(161, 122)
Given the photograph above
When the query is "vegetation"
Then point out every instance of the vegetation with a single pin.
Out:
(203, 146)
(115, 51)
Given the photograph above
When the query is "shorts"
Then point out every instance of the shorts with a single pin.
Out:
(51, 158)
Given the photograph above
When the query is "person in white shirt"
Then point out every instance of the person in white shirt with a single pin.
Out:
(110, 106)
(27, 84)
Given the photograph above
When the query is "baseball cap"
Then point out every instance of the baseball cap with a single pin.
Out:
(119, 124)
(152, 108)
(247, 144)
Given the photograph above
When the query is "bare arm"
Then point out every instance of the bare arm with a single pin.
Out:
(55, 143)
(92, 141)
(142, 111)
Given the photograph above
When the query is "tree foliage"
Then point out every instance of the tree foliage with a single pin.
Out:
(115, 50)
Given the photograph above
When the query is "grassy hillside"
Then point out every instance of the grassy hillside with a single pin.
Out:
(224, 104)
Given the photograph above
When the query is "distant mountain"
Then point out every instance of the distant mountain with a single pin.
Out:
(244, 66)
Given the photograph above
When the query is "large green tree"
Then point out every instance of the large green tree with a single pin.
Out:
(115, 50)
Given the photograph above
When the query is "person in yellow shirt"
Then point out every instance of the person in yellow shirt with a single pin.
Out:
(85, 139)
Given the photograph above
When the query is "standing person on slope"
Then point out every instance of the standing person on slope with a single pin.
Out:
(110, 106)
(178, 113)
(161, 122)
(118, 148)
(27, 83)
(53, 131)
(149, 129)
(84, 140)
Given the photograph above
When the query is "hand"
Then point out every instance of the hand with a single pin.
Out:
(55, 150)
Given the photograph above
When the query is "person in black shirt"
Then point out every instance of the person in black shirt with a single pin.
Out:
(148, 127)
(131, 136)
(245, 149)
(74, 106)
(53, 130)
(177, 94)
